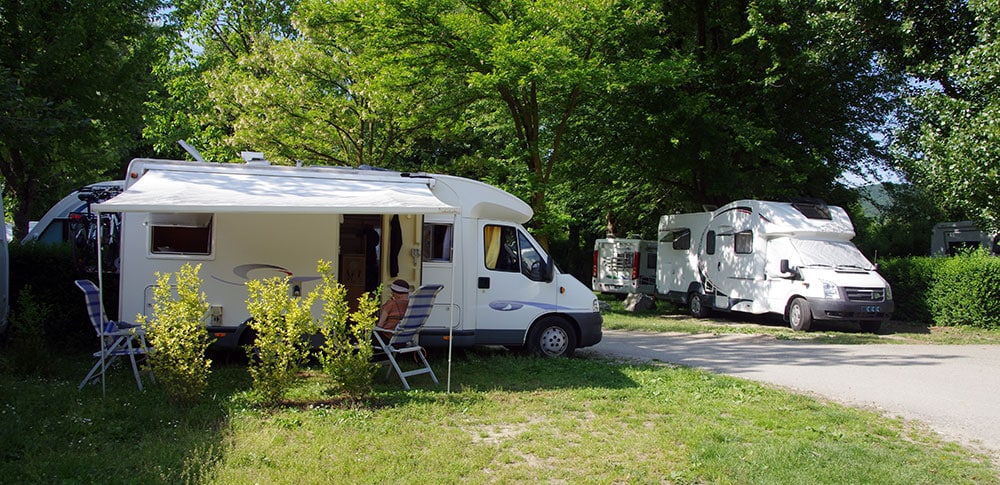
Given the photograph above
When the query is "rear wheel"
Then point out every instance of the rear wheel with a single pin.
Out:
(799, 315)
(552, 337)
(696, 306)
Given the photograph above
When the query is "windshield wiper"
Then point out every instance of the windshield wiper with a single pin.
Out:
(852, 266)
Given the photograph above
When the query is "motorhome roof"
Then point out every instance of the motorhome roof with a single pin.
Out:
(783, 218)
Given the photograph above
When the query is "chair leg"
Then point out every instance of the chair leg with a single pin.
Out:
(427, 365)
(399, 372)
(135, 368)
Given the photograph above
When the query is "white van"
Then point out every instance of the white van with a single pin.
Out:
(623, 266)
(254, 220)
(793, 259)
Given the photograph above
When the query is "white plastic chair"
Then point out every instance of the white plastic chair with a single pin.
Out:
(118, 339)
(404, 337)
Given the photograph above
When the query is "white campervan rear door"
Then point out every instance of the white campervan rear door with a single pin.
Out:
(511, 285)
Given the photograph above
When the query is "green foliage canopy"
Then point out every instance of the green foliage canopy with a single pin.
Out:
(73, 76)
(951, 142)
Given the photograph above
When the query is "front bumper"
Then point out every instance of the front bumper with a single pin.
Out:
(589, 324)
(847, 310)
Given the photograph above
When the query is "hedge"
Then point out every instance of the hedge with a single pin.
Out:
(946, 291)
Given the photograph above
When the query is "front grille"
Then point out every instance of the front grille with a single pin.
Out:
(865, 294)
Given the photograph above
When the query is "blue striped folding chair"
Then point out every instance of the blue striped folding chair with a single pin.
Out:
(118, 339)
(404, 338)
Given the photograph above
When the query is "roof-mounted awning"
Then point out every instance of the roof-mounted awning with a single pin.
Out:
(280, 193)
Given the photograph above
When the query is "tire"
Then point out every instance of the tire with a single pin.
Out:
(800, 315)
(552, 337)
(696, 306)
(870, 327)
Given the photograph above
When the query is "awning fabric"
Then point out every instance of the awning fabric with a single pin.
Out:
(214, 192)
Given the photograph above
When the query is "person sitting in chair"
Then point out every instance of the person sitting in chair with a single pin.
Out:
(394, 308)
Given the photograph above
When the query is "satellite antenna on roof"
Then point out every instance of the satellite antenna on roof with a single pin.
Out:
(191, 150)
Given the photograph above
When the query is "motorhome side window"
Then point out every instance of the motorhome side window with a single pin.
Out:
(501, 248)
(506, 249)
(682, 239)
(710, 242)
(743, 242)
(531, 261)
(438, 241)
(186, 234)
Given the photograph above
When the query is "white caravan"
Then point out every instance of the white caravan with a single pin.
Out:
(623, 266)
(947, 238)
(254, 220)
(794, 259)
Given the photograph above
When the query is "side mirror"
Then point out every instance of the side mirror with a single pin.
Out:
(786, 269)
(549, 269)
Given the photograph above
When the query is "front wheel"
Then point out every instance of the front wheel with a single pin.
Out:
(799, 315)
(696, 306)
(552, 337)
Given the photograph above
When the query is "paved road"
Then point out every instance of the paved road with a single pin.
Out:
(955, 389)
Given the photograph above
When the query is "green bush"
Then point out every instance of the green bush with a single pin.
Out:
(946, 291)
(282, 326)
(966, 291)
(177, 335)
(346, 351)
(911, 280)
(27, 353)
(49, 271)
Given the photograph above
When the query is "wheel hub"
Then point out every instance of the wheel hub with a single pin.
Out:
(554, 341)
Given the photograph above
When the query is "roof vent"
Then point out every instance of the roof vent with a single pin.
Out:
(254, 158)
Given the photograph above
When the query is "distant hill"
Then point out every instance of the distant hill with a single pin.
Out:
(874, 198)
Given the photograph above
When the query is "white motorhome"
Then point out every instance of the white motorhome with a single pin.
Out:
(623, 266)
(793, 259)
(54, 226)
(947, 238)
(254, 220)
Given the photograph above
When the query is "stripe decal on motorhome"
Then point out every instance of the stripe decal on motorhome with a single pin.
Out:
(510, 305)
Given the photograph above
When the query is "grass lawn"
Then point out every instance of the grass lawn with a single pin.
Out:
(509, 419)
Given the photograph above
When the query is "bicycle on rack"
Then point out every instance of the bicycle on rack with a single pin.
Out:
(83, 226)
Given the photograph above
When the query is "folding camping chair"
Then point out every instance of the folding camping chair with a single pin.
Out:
(118, 339)
(404, 337)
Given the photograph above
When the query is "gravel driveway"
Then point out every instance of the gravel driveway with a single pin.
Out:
(954, 389)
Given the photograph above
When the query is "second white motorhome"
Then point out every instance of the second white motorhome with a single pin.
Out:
(793, 259)
(254, 220)
(948, 238)
(623, 266)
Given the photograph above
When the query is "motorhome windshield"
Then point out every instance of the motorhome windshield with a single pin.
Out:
(833, 254)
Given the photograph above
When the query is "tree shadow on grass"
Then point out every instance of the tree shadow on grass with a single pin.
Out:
(53, 432)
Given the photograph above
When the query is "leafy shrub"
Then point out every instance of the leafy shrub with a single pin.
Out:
(177, 335)
(49, 271)
(346, 351)
(282, 326)
(966, 291)
(911, 280)
(27, 352)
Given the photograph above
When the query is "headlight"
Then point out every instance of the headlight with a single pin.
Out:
(597, 306)
(888, 292)
(830, 290)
